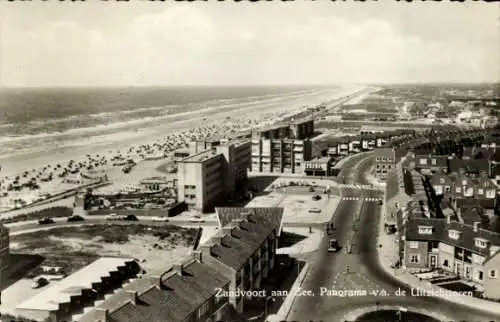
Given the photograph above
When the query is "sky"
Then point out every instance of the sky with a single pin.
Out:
(154, 43)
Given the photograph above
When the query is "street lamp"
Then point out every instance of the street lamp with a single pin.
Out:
(266, 305)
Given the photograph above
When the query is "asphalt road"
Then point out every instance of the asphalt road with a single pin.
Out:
(329, 270)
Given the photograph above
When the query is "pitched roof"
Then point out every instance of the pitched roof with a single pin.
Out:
(476, 202)
(175, 299)
(440, 233)
(235, 248)
(473, 165)
(272, 215)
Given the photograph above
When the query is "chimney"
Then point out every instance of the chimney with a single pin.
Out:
(158, 280)
(177, 268)
(103, 314)
(228, 230)
(132, 295)
(197, 256)
(206, 250)
(245, 215)
(476, 226)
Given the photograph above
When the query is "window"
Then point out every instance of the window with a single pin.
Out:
(493, 273)
(203, 309)
(415, 259)
(447, 188)
(480, 275)
(490, 193)
(464, 182)
(458, 190)
(413, 244)
(454, 234)
(433, 161)
(423, 161)
(481, 243)
(445, 263)
(480, 191)
(441, 180)
(425, 230)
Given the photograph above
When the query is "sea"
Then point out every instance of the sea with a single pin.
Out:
(37, 118)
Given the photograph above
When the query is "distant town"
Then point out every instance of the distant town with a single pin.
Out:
(379, 199)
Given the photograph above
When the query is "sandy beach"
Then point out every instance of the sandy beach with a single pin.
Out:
(59, 168)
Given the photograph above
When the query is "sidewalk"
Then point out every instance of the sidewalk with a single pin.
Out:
(309, 244)
(388, 254)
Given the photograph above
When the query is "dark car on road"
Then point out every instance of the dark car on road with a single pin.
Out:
(75, 218)
(132, 218)
(311, 189)
(316, 197)
(46, 221)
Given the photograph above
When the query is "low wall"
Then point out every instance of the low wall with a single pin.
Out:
(290, 299)
(58, 196)
(169, 212)
(356, 314)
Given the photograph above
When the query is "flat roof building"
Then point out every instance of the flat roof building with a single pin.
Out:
(206, 178)
(299, 129)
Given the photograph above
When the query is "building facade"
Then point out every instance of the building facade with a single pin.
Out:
(280, 155)
(384, 161)
(318, 167)
(244, 251)
(467, 251)
(206, 178)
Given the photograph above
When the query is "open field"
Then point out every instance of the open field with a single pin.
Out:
(74, 247)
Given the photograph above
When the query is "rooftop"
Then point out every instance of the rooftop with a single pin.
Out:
(273, 215)
(238, 240)
(201, 156)
(74, 284)
(171, 297)
(440, 233)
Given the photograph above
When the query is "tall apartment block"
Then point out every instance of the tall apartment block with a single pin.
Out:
(282, 148)
(206, 178)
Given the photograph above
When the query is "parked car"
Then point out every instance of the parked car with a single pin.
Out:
(39, 282)
(114, 217)
(76, 218)
(311, 189)
(160, 219)
(333, 245)
(46, 221)
(132, 218)
(316, 197)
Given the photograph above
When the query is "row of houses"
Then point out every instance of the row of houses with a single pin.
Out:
(208, 285)
(452, 222)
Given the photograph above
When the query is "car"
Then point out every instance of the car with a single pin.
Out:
(316, 197)
(75, 218)
(333, 245)
(131, 218)
(114, 217)
(160, 219)
(311, 189)
(39, 282)
(46, 221)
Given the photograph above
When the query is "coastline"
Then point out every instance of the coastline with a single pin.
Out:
(180, 128)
